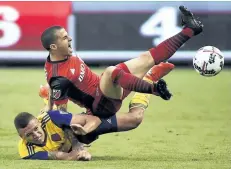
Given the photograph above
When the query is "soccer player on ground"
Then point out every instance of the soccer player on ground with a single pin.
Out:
(49, 136)
(70, 78)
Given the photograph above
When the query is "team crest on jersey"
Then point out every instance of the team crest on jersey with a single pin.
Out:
(56, 93)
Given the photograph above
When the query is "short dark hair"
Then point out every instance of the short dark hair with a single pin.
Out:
(22, 120)
(48, 36)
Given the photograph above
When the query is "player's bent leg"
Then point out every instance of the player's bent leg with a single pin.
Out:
(132, 119)
(115, 78)
(107, 85)
(140, 101)
(108, 100)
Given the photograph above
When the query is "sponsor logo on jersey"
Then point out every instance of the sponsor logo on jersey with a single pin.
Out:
(82, 72)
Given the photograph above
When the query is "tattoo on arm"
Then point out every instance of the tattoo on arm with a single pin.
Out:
(52, 155)
(50, 101)
(59, 155)
(76, 145)
(62, 107)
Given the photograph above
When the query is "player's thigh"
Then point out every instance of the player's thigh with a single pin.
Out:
(140, 66)
(107, 86)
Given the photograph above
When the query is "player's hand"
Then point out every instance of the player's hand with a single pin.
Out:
(78, 129)
(83, 155)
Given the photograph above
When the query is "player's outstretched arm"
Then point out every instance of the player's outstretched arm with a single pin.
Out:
(50, 101)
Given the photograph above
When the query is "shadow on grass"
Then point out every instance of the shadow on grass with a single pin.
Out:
(144, 158)
(121, 158)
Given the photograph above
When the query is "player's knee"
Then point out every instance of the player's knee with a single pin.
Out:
(138, 115)
(109, 70)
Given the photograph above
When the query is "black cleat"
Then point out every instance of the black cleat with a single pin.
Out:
(162, 90)
(189, 21)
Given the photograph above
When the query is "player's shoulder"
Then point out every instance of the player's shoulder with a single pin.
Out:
(29, 151)
(25, 149)
(43, 117)
(60, 118)
(76, 58)
(22, 148)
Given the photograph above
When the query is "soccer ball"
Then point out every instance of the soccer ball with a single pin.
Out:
(208, 61)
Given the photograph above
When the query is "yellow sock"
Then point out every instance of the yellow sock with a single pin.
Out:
(141, 99)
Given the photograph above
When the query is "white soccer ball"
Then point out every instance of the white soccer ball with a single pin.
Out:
(208, 61)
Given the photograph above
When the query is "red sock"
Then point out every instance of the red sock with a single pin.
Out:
(124, 67)
(168, 47)
(130, 82)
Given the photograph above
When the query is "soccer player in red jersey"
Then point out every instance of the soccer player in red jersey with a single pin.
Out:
(70, 78)
(137, 106)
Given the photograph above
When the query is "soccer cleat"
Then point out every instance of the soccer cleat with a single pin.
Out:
(155, 74)
(162, 90)
(189, 21)
(141, 100)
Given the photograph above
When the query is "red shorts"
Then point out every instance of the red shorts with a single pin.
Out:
(104, 106)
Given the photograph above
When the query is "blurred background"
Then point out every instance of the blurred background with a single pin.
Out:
(108, 32)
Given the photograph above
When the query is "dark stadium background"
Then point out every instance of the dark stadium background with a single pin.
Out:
(108, 32)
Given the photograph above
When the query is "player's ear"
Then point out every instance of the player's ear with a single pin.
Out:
(53, 46)
(20, 133)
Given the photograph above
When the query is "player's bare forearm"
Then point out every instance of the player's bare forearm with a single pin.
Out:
(50, 101)
(76, 145)
(73, 155)
(58, 155)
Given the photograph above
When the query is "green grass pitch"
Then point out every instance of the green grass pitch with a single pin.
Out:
(193, 130)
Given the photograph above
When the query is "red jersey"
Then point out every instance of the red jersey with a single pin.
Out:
(71, 79)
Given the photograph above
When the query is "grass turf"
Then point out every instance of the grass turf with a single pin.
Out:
(190, 131)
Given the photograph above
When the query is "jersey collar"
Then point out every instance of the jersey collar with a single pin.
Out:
(59, 61)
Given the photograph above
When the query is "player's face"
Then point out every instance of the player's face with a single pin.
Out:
(63, 43)
(33, 132)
